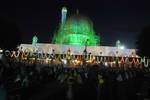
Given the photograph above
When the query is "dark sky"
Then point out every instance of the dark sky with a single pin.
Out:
(112, 19)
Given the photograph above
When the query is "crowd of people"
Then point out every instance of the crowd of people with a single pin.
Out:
(19, 81)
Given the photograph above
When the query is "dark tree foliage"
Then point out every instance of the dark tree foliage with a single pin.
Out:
(10, 36)
(143, 42)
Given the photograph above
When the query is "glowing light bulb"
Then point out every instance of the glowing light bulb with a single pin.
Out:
(122, 47)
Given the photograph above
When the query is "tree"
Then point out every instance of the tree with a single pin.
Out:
(143, 40)
(10, 35)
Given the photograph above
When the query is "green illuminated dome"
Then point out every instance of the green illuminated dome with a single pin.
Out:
(77, 30)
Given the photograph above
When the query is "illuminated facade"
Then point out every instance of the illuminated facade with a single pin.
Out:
(78, 50)
(74, 36)
(76, 33)
(76, 30)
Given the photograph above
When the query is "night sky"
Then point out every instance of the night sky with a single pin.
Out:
(112, 19)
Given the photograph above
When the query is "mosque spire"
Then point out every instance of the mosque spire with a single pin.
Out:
(34, 41)
(63, 14)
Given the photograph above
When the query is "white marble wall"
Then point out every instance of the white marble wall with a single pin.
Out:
(78, 50)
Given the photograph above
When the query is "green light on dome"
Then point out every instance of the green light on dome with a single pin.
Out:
(76, 31)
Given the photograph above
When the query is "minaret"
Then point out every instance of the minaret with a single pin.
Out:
(34, 41)
(63, 15)
(118, 43)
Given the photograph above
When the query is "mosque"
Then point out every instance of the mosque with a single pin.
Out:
(76, 33)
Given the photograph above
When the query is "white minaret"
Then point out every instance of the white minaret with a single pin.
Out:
(118, 43)
(63, 15)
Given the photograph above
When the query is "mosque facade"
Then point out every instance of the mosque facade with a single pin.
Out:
(76, 33)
